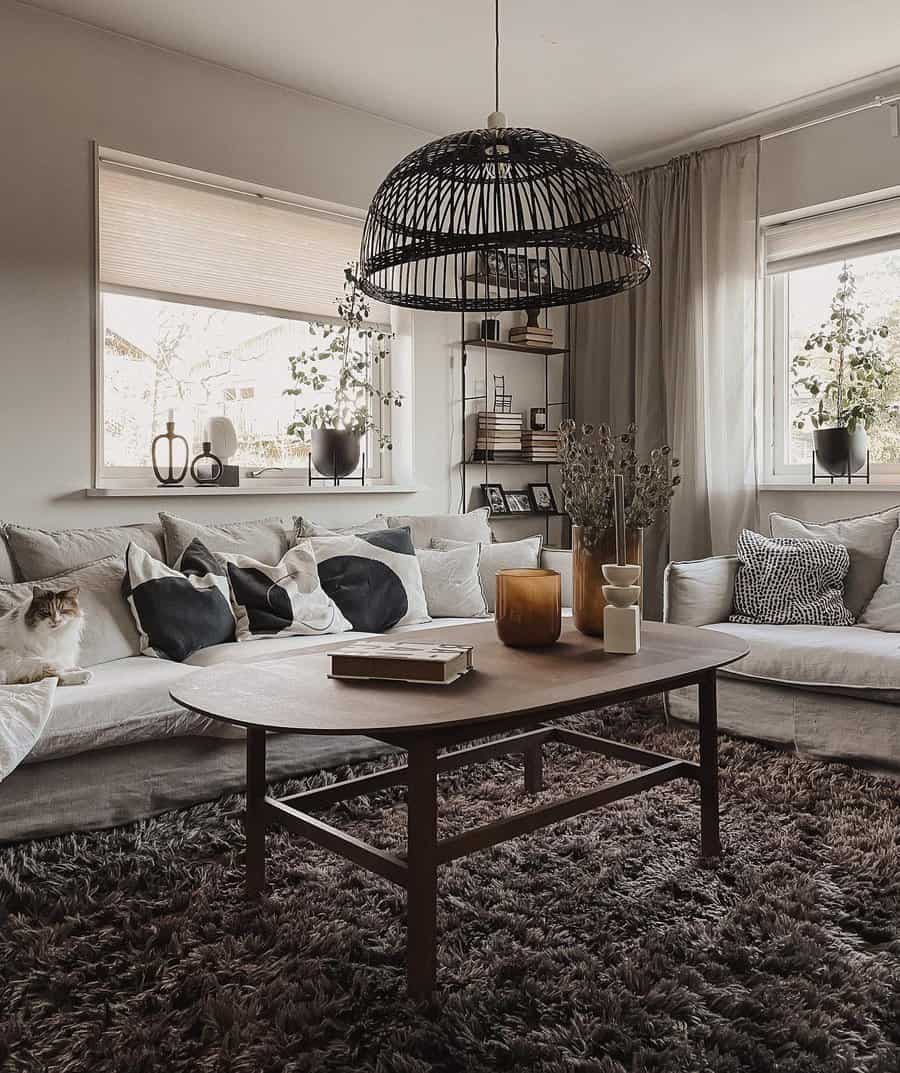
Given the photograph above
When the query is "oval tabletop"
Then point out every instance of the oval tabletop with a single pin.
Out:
(294, 693)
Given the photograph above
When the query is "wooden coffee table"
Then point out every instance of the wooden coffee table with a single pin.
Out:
(510, 690)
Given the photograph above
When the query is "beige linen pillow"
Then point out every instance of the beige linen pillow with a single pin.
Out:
(452, 582)
(263, 539)
(40, 553)
(306, 527)
(867, 539)
(109, 631)
(471, 528)
(507, 555)
(883, 610)
(7, 566)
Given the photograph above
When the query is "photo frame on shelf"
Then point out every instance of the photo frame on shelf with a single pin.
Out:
(495, 498)
(518, 502)
(542, 499)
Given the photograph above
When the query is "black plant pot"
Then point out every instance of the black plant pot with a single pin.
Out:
(335, 451)
(835, 445)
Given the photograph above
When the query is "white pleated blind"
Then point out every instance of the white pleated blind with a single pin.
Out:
(833, 236)
(182, 238)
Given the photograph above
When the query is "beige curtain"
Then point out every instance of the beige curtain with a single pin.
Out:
(677, 354)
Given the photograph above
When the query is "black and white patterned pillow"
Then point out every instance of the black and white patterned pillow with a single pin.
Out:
(374, 578)
(782, 581)
(178, 612)
(286, 599)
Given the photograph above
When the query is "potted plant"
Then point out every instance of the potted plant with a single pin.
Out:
(844, 370)
(591, 457)
(349, 352)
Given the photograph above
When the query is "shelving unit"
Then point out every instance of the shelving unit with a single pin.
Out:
(560, 409)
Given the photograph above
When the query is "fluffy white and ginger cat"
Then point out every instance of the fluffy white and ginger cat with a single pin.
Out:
(40, 638)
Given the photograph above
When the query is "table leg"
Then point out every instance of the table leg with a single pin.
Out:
(710, 846)
(534, 768)
(421, 859)
(254, 821)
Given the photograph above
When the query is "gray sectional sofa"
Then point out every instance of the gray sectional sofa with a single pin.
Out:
(118, 748)
(830, 692)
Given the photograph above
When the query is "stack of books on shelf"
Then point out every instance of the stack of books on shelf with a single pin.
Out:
(499, 438)
(540, 446)
(531, 336)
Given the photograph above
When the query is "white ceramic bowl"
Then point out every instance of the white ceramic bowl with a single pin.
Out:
(621, 575)
(621, 595)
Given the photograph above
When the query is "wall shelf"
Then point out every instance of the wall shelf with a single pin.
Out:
(519, 348)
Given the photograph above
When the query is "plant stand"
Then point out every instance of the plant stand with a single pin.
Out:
(851, 477)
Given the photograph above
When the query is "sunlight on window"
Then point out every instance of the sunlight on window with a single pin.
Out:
(200, 362)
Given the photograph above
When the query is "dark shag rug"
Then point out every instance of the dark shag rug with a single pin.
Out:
(602, 945)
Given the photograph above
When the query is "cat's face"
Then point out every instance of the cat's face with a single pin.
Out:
(52, 610)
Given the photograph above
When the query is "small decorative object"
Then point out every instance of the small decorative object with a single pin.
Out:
(499, 437)
(522, 190)
(223, 443)
(531, 333)
(502, 401)
(402, 661)
(490, 329)
(529, 607)
(352, 348)
(621, 616)
(495, 498)
(518, 502)
(538, 418)
(542, 498)
(844, 369)
(206, 468)
(169, 454)
(591, 457)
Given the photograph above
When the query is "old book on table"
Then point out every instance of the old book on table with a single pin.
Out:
(402, 661)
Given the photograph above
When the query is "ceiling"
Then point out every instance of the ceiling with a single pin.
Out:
(623, 78)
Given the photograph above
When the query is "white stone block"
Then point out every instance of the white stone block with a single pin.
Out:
(622, 629)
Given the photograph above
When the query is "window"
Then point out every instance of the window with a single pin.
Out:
(204, 294)
(805, 260)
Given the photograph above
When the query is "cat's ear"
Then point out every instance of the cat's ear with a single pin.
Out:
(69, 595)
(38, 594)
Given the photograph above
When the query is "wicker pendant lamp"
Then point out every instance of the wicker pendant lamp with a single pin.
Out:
(501, 218)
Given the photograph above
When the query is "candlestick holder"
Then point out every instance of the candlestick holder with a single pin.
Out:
(622, 616)
(169, 454)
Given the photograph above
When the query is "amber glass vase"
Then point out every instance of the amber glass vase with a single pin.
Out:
(529, 607)
(588, 600)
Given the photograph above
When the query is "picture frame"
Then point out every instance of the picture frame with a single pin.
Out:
(542, 499)
(518, 502)
(495, 498)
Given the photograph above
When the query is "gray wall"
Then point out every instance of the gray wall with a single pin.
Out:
(63, 84)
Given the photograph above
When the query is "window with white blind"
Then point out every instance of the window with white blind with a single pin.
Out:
(205, 292)
(807, 263)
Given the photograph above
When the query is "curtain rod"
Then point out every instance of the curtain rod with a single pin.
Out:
(877, 102)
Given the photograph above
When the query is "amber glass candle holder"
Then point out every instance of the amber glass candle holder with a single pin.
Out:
(529, 607)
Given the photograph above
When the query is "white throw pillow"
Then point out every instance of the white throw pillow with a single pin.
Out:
(109, 632)
(452, 582)
(283, 600)
(375, 579)
(471, 528)
(883, 610)
(522, 554)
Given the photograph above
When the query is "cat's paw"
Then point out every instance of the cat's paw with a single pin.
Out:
(75, 678)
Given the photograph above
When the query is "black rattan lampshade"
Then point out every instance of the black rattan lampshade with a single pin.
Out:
(501, 219)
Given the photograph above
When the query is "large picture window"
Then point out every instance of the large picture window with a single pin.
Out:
(820, 269)
(205, 293)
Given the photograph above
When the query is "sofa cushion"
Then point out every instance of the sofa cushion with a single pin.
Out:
(109, 632)
(43, 553)
(375, 579)
(178, 612)
(700, 590)
(835, 659)
(306, 527)
(286, 598)
(452, 583)
(471, 528)
(883, 610)
(781, 580)
(8, 570)
(524, 554)
(867, 539)
(263, 539)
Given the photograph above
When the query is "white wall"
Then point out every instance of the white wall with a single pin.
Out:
(842, 159)
(63, 85)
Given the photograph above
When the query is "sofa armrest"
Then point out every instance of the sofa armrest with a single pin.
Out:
(699, 592)
(560, 560)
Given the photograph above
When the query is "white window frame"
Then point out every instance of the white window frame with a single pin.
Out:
(379, 470)
(776, 470)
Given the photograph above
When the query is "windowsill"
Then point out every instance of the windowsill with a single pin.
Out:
(251, 488)
(890, 486)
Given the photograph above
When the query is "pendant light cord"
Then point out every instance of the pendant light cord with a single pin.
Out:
(496, 55)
